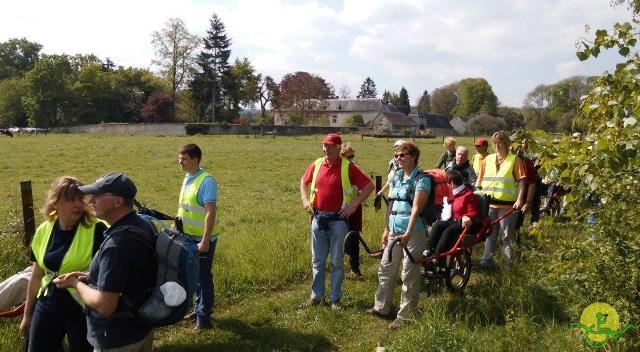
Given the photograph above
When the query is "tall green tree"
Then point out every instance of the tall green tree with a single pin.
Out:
(444, 99)
(89, 95)
(475, 95)
(512, 117)
(212, 82)
(367, 89)
(386, 97)
(48, 88)
(175, 48)
(11, 109)
(17, 57)
(403, 101)
(246, 84)
(424, 104)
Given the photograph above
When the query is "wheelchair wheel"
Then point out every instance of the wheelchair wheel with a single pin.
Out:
(459, 272)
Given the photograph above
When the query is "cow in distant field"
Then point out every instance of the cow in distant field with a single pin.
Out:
(6, 132)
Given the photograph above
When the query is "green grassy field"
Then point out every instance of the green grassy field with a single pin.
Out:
(262, 264)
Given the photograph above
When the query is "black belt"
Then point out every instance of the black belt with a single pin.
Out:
(400, 213)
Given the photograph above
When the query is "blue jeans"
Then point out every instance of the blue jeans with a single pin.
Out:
(324, 242)
(205, 290)
(54, 317)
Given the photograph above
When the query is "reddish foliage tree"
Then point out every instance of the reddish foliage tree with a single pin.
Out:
(302, 92)
(159, 107)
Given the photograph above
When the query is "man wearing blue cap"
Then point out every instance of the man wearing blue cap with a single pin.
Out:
(112, 291)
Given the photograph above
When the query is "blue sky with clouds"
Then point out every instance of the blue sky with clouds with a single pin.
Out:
(419, 44)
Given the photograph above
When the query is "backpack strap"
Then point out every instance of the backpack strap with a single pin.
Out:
(131, 310)
(412, 187)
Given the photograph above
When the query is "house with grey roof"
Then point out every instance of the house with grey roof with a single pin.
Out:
(339, 110)
(392, 122)
(438, 124)
(459, 125)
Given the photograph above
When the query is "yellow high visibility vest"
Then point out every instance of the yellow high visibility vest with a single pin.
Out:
(476, 162)
(348, 191)
(77, 258)
(191, 212)
(500, 184)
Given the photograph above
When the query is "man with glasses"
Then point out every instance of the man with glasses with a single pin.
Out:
(121, 274)
(331, 201)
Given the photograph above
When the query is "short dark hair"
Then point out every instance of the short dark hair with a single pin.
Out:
(455, 177)
(192, 150)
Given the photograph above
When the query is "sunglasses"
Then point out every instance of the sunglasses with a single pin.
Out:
(400, 155)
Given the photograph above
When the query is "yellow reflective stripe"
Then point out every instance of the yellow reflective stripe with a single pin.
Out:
(499, 183)
(191, 212)
(192, 208)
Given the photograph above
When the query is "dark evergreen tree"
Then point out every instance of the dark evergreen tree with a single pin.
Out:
(367, 89)
(403, 101)
(213, 81)
(386, 97)
(424, 104)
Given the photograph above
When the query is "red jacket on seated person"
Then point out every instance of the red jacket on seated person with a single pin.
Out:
(444, 233)
(465, 203)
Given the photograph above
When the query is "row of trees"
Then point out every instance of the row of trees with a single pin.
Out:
(197, 82)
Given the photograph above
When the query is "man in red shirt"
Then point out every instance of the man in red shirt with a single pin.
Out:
(331, 201)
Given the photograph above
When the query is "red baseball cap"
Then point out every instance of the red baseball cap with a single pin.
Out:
(332, 138)
(480, 142)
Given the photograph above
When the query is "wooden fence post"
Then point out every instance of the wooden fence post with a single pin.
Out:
(27, 212)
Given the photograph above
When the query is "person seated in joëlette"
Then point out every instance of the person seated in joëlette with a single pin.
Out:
(464, 210)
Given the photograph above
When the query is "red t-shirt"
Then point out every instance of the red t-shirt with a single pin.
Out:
(465, 203)
(329, 184)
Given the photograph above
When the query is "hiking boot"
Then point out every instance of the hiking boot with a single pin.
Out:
(335, 305)
(396, 324)
(310, 302)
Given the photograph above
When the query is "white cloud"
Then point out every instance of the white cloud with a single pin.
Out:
(419, 44)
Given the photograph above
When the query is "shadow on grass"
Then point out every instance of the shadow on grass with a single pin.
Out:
(246, 337)
(491, 304)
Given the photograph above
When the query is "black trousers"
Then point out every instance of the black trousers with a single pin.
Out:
(444, 234)
(352, 249)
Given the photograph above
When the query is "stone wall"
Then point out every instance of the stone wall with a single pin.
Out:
(179, 129)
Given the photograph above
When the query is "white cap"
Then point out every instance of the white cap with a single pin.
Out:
(398, 142)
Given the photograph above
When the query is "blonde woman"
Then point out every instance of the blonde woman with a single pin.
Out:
(65, 242)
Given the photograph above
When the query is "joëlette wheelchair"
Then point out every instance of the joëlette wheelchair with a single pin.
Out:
(454, 265)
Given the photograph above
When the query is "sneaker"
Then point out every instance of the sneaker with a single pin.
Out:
(357, 274)
(485, 264)
(203, 326)
(335, 305)
(396, 324)
(374, 312)
(310, 302)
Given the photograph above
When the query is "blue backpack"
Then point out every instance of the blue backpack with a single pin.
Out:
(176, 259)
